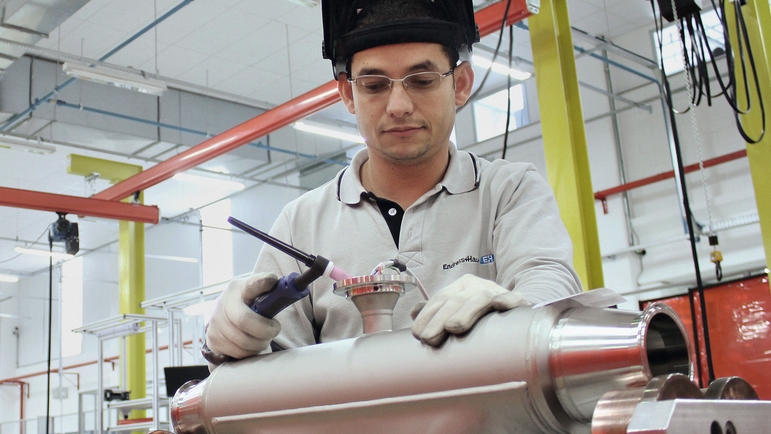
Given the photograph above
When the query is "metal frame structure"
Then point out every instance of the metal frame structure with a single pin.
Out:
(121, 327)
(175, 303)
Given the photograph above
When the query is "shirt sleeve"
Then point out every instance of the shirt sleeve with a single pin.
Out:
(533, 250)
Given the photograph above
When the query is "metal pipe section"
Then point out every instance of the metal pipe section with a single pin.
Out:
(528, 370)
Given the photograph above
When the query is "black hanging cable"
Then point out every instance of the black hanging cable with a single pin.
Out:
(691, 233)
(50, 329)
(679, 167)
(495, 56)
(744, 34)
(699, 54)
(508, 95)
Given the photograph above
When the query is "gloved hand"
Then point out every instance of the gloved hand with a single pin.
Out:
(234, 329)
(458, 306)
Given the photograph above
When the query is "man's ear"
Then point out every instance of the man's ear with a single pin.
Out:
(345, 90)
(464, 82)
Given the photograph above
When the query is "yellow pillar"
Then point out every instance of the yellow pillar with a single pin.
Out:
(131, 269)
(758, 20)
(131, 281)
(562, 123)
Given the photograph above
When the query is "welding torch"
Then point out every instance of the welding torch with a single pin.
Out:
(293, 287)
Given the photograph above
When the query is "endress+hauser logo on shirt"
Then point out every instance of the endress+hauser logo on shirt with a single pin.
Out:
(487, 259)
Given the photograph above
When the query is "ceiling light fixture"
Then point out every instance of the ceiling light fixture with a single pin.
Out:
(224, 184)
(115, 77)
(500, 68)
(55, 255)
(329, 131)
(8, 278)
(21, 144)
(174, 258)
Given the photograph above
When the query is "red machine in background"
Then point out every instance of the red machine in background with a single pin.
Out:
(739, 329)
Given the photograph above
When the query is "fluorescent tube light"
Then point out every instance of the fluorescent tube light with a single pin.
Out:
(115, 77)
(329, 131)
(210, 182)
(8, 278)
(501, 69)
(174, 258)
(20, 144)
(55, 255)
(306, 3)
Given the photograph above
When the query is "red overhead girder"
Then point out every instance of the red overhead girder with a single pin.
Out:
(488, 19)
(78, 205)
(602, 195)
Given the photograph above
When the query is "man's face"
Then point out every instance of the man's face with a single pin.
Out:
(399, 125)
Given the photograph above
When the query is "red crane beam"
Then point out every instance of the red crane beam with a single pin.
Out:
(602, 195)
(78, 205)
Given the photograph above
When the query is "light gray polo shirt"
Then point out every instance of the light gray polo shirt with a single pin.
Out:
(497, 220)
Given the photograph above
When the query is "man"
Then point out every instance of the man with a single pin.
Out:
(480, 235)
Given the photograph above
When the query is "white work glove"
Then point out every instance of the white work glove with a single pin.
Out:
(234, 329)
(458, 306)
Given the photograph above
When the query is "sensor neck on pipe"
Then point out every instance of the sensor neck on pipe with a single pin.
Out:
(375, 297)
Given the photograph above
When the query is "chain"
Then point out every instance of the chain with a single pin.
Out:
(694, 121)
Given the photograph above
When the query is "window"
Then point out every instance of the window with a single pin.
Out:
(490, 113)
(671, 49)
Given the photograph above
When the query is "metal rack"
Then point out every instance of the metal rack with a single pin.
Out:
(174, 305)
(120, 327)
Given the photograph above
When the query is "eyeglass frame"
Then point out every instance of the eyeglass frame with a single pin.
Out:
(402, 80)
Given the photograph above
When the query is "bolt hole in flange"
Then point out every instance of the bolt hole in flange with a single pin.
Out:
(730, 428)
(715, 428)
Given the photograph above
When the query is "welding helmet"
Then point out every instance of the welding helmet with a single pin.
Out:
(351, 26)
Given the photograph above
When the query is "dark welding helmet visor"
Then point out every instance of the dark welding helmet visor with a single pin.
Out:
(351, 26)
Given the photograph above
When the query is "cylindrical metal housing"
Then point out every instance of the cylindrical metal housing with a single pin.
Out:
(591, 352)
(526, 370)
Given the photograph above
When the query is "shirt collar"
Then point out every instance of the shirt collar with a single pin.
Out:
(462, 175)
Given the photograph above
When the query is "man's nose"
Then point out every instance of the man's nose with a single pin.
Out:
(399, 100)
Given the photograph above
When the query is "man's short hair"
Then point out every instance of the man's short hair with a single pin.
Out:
(351, 26)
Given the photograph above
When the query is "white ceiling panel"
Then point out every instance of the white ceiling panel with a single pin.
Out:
(211, 71)
(263, 41)
(248, 81)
